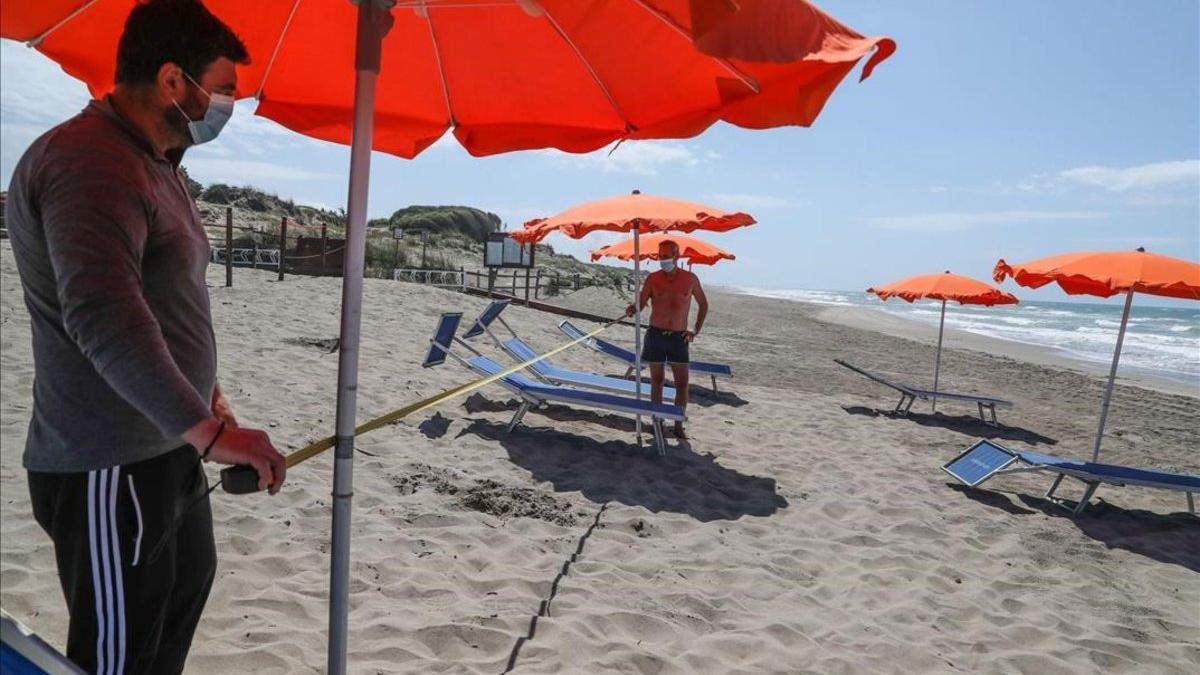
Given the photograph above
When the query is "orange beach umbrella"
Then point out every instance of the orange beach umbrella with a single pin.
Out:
(944, 287)
(695, 251)
(503, 76)
(1106, 274)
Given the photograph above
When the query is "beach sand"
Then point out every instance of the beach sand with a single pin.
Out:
(804, 530)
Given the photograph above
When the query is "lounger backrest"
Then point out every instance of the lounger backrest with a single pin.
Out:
(979, 462)
(570, 329)
(523, 352)
(872, 376)
(486, 317)
(443, 335)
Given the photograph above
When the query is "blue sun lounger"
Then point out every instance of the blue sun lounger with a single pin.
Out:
(533, 393)
(22, 652)
(986, 458)
(713, 370)
(909, 395)
(545, 371)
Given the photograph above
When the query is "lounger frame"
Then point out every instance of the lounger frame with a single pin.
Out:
(1090, 479)
(528, 399)
(909, 395)
(547, 372)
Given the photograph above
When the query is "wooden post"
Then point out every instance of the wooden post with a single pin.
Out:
(514, 284)
(228, 247)
(537, 285)
(282, 245)
(577, 281)
(526, 284)
(491, 279)
(254, 254)
(462, 279)
(324, 243)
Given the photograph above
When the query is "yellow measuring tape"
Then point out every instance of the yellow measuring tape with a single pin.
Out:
(324, 444)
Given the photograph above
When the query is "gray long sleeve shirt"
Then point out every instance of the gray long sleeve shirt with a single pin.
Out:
(112, 257)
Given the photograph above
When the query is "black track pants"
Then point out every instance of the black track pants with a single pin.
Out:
(132, 609)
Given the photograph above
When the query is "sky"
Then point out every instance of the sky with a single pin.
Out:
(1014, 129)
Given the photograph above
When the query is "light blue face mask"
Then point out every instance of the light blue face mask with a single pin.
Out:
(667, 265)
(220, 109)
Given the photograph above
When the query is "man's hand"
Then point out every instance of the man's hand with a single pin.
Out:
(630, 310)
(221, 408)
(240, 446)
(690, 335)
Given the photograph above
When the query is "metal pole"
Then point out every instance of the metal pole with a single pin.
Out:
(374, 21)
(324, 244)
(282, 245)
(937, 364)
(1112, 375)
(228, 246)
(637, 324)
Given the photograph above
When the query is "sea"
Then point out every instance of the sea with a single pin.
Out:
(1162, 341)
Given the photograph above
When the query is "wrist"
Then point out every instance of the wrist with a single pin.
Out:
(199, 435)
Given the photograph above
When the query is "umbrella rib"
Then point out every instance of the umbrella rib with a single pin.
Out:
(275, 52)
(670, 23)
(37, 39)
(437, 55)
(591, 71)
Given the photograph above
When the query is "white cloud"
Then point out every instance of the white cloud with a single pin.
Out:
(1138, 180)
(244, 171)
(938, 189)
(642, 158)
(958, 222)
(1159, 174)
(746, 201)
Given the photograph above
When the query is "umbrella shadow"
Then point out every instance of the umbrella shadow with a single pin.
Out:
(969, 425)
(1172, 538)
(435, 426)
(615, 471)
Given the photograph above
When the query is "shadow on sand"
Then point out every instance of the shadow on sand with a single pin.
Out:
(682, 482)
(477, 403)
(699, 392)
(964, 424)
(1172, 538)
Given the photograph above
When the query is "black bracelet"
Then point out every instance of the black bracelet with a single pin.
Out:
(204, 455)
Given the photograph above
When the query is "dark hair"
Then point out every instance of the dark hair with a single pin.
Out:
(182, 32)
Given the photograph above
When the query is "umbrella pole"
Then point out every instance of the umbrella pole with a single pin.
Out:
(373, 23)
(637, 325)
(937, 364)
(1112, 375)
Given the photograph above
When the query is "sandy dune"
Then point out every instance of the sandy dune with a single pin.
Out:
(804, 530)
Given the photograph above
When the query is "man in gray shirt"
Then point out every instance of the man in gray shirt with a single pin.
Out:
(112, 258)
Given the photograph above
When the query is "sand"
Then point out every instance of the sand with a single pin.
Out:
(803, 530)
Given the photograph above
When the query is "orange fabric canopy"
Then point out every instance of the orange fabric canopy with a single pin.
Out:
(504, 75)
(1106, 274)
(647, 213)
(945, 286)
(695, 251)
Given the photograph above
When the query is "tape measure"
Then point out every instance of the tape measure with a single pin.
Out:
(243, 479)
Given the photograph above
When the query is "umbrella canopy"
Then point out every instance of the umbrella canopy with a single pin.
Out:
(1106, 274)
(633, 212)
(695, 251)
(944, 287)
(504, 76)
(507, 75)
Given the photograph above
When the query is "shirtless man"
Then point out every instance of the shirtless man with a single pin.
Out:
(669, 294)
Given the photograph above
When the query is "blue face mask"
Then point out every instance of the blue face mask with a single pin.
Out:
(667, 265)
(220, 109)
